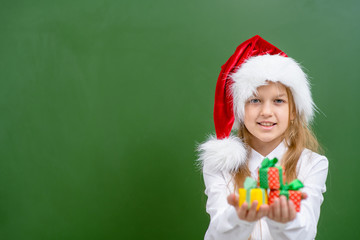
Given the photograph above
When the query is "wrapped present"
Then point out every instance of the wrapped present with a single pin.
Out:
(271, 176)
(251, 193)
(290, 191)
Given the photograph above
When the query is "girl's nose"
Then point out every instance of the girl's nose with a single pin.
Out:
(266, 110)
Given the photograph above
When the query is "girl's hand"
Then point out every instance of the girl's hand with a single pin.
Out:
(244, 213)
(282, 210)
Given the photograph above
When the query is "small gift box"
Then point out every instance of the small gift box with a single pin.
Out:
(271, 176)
(290, 191)
(250, 193)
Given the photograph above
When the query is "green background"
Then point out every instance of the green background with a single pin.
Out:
(103, 102)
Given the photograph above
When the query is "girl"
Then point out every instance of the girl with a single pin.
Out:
(265, 96)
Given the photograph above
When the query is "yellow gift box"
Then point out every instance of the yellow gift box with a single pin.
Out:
(250, 193)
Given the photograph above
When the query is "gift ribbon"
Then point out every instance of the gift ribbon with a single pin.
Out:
(267, 163)
(250, 184)
(294, 185)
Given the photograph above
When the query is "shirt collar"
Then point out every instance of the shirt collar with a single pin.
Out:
(256, 158)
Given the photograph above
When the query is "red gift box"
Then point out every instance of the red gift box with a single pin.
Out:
(292, 195)
(271, 176)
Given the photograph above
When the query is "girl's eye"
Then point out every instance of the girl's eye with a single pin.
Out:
(279, 101)
(254, 100)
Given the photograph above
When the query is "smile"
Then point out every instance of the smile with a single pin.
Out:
(266, 124)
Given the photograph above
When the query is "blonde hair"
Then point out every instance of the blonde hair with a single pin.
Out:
(297, 136)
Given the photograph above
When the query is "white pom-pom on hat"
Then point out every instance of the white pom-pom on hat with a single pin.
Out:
(226, 154)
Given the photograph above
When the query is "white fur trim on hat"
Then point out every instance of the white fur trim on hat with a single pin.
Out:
(257, 70)
(226, 154)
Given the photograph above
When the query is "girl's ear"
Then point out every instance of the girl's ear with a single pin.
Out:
(292, 115)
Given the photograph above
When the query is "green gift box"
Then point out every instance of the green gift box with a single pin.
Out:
(271, 176)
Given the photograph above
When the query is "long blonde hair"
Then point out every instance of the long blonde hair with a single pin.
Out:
(298, 136)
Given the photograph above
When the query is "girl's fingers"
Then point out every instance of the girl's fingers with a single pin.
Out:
(271, 212)
(263, 211)
(243, 211)
(233, 200)
(276, 210)
(251, 216)
(292, 211)
(284, 209)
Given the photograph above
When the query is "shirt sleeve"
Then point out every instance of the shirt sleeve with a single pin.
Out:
(224, 221)
(313, 173)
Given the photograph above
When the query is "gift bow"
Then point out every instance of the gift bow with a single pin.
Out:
(294, 185)
(266, 163)
(249, 183)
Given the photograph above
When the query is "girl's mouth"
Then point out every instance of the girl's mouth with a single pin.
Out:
(266, 125)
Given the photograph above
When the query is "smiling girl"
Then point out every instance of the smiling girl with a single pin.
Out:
(263, 96)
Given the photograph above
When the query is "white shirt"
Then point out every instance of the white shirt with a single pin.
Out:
(312, 171)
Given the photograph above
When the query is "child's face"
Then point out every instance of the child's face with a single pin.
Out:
(267, 115)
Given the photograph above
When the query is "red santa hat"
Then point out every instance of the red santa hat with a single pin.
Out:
(254, 63)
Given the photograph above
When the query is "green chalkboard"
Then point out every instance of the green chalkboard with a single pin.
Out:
(103, 102)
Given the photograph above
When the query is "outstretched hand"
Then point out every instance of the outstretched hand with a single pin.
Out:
(282, 210)
(245, 213)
